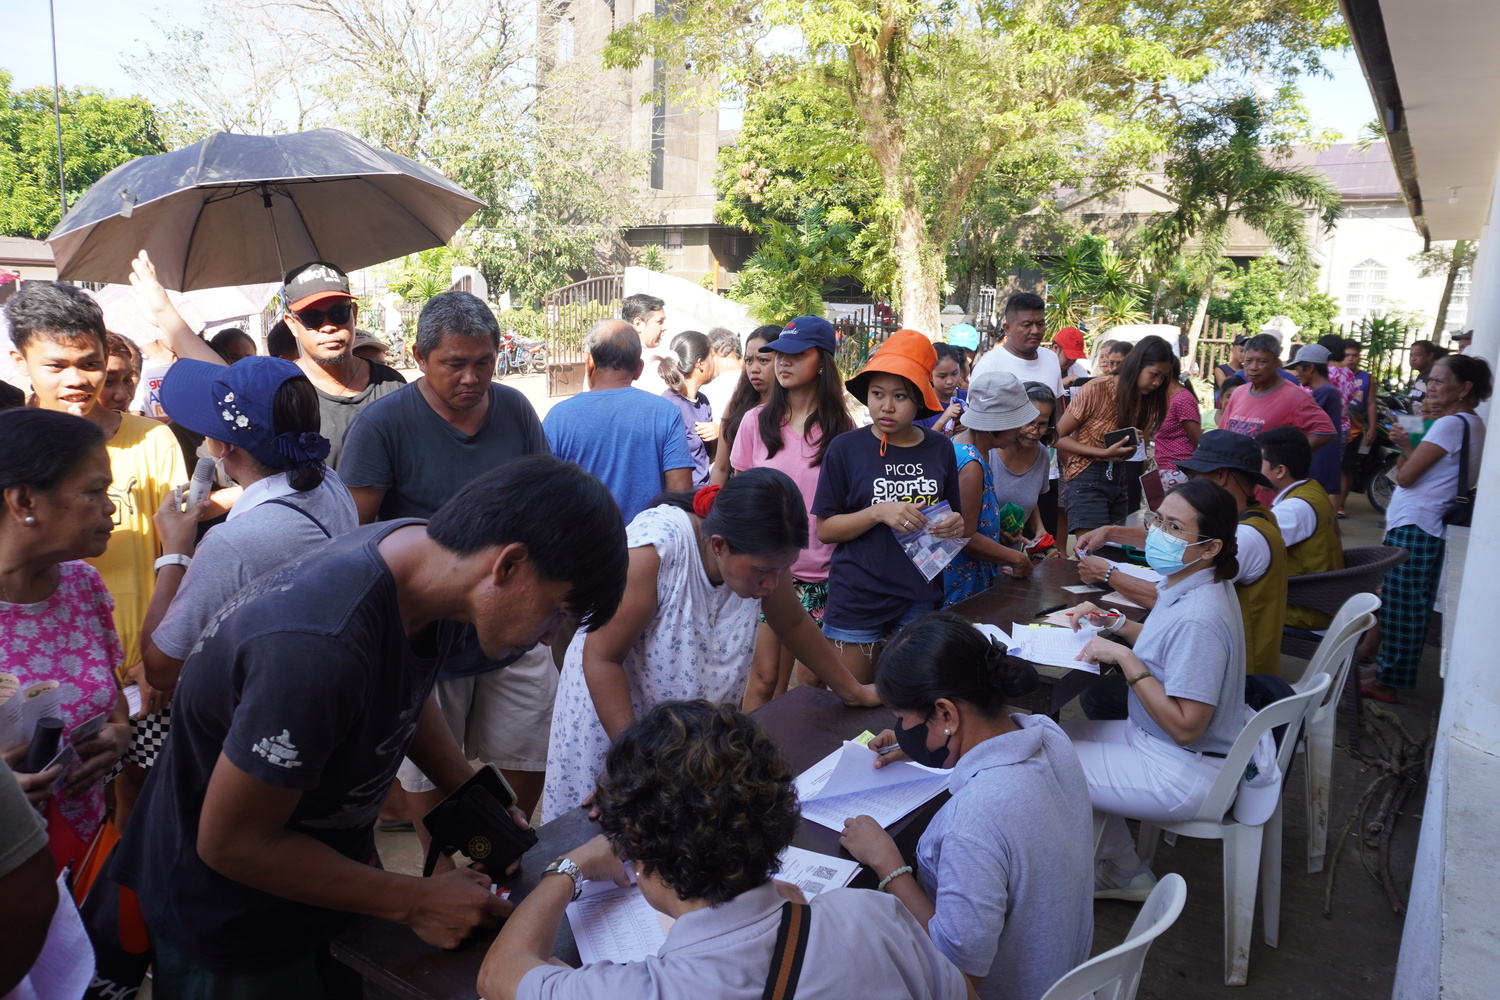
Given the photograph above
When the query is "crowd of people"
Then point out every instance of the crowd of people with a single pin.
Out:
(359, 610)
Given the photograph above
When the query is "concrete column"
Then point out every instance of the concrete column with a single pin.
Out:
(1451, 922)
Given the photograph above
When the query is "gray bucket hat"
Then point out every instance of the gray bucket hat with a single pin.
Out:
(998, 402)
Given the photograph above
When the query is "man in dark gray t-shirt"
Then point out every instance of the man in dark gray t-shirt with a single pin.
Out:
(405, 456)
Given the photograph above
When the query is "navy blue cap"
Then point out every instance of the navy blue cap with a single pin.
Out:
(234, 404)
(1221, 449)
(804, 332)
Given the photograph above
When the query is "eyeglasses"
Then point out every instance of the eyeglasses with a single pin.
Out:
(314, 319)
(1172, 527)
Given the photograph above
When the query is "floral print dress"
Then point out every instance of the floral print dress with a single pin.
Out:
(69, 638)
(698, 645)
(966, 576)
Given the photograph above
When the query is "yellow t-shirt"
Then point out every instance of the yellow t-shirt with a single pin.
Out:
(146, 463)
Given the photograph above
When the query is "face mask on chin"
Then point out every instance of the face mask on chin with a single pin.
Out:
(913, 743)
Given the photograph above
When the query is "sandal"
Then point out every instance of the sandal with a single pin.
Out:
(1377, 691)
(1342, 514)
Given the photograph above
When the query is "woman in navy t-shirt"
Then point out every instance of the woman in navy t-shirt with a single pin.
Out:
(874, 483)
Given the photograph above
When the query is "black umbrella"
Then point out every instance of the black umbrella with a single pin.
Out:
(238, 209)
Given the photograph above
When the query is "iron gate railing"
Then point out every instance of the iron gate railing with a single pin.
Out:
(567, 314)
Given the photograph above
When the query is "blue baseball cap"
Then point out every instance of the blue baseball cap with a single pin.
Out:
(963, 335)
(804, 332)
(234, 404)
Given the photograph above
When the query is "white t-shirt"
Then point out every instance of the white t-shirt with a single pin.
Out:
(651, 380)
(1295, 517)
(1253, 553)
(147, 400)
(1423, 502)
(1044, 369)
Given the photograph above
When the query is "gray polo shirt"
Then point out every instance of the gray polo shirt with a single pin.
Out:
(1009, 862)
(257, 538)
(861, 944)
(1194, 643)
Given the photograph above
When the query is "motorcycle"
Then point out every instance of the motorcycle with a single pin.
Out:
(520, 354)
(1376, 477)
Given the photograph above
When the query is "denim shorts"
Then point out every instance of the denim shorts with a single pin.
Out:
(878, 633)
(1096, 496)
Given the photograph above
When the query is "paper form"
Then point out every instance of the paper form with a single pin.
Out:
(1054, 647)
(847, 783)
(616, 924)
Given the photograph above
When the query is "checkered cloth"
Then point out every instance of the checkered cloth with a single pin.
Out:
(147, 735)
(1408, 592)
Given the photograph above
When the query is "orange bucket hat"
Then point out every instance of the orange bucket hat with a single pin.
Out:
(906, 353)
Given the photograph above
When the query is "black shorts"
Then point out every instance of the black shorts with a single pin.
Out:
(1096, 496)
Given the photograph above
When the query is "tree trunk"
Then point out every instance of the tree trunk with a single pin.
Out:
(1448, 282)
(920, 299)
(1200, 317)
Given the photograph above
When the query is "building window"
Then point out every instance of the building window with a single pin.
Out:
(673, 241)
(1366, 290)
(1458, 302)
(567, 39)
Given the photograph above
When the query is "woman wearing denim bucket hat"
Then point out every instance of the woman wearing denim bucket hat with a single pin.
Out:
(262, 423)
(875, 483)
(998, 409)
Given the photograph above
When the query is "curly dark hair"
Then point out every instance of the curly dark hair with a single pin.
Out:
(697, 791)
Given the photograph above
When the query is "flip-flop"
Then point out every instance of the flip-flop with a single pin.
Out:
(1342, 514)
(1374, 695)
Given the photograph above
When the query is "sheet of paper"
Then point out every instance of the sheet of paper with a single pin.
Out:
(1141, 572)
(815, 873)
(1115, 597)
(1059, 618)
(20, 708)
(1083, 588)
(133, 699)
(1055, 647)
(846, 783)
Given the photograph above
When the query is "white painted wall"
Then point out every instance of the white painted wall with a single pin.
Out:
(1381, 231)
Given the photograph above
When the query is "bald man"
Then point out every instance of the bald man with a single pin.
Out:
(631, 440)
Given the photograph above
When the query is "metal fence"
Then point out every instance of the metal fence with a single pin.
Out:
(860, 333)
(567, 314)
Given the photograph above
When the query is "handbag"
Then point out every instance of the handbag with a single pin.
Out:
(476, 819)
(1460, 510)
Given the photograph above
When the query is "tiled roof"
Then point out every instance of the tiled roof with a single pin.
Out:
(17, 251)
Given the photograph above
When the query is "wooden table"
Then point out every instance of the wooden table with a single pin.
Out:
(1010, 602)
(807, 724)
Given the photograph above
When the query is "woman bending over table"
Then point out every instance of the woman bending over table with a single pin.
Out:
(1186, 669)
(701, 567)
(1005, 865)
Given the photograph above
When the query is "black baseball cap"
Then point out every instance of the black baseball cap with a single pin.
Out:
(1227, 450)
(315, 282)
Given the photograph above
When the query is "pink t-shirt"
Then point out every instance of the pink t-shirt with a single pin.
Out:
(1286, 405)
(795, 458)
(70, 638)
(1172, 444)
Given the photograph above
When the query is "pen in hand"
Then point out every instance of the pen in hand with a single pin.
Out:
(887, 749)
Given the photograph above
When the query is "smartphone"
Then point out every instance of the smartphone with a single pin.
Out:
(1129, 434)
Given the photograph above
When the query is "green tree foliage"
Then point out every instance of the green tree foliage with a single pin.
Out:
(1263, 290)
(478, 91)
(794, 266)
(1450, 260)
(940, 89)
(1092, 282)
(100, 132)
(1219, 171)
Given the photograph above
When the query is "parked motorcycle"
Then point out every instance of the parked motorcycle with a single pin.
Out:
(1376, 477)
(520, 354)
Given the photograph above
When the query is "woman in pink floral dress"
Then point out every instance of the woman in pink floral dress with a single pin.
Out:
(56, 618)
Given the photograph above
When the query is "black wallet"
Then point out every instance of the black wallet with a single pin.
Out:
(475, 819)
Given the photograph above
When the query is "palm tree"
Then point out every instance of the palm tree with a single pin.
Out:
(1218, 172)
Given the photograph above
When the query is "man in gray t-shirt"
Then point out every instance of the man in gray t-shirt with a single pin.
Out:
(405, 456)
(26, 882)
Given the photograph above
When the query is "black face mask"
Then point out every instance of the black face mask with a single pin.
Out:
(913, 743)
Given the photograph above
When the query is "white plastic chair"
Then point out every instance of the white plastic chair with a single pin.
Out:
(1116, 974)
(1334, 656)
(1246, 848)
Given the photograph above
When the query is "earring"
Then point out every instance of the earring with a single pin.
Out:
(30, 519)
(947, 732)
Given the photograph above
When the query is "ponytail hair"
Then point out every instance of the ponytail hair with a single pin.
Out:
(690, 348)
(759, 513)
(942, 655)
(296, 416)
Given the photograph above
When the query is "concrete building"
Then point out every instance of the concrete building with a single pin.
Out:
(1433, 79)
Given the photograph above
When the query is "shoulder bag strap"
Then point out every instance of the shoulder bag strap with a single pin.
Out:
(288, 503)
(791, 948)
(1463, 459)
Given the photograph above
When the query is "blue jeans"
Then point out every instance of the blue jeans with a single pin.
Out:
(878, 633)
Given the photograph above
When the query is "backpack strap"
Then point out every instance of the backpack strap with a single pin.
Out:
(288, 503)
(791, 949)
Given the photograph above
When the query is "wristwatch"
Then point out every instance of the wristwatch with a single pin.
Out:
(172, 559)
(562, 866)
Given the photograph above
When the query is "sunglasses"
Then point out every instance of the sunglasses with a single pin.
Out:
(314, 319)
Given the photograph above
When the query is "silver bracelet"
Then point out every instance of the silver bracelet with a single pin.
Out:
(903, 870)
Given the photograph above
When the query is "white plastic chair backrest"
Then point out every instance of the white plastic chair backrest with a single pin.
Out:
(1336, 651)
(1116, 974)
(1288, 711)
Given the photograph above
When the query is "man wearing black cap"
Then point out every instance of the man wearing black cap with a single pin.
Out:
(1232, 461)
(321, 315)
